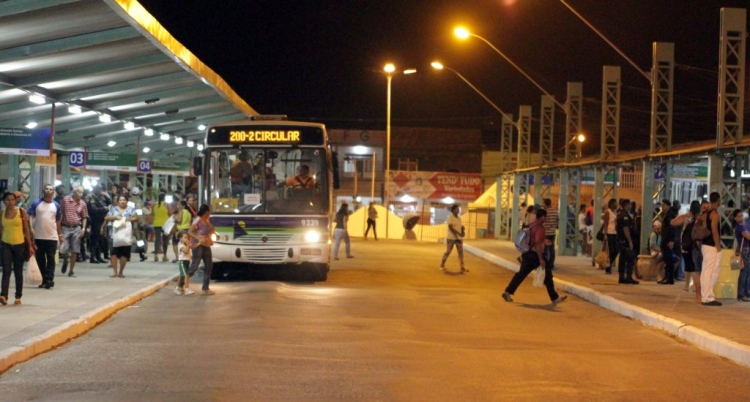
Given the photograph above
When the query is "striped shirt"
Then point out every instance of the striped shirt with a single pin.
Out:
(552, 222)
(73, 212)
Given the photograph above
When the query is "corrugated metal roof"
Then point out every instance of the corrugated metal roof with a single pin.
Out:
(108, 57)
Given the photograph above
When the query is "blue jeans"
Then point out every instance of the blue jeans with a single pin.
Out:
(341, 234)
(202, 253)
(743, 283)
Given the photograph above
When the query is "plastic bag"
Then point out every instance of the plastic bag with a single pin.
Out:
(167, 227)
(33, 274)
(123, 236)
(539, 277)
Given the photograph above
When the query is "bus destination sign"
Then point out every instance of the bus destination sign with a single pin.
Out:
(265, 135)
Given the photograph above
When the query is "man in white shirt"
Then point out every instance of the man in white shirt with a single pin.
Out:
(45, 215)
(453, 237)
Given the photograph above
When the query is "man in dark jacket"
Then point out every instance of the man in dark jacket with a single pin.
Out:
(98, 208)
(669, 238)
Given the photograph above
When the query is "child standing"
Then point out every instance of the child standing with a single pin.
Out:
(185, 256)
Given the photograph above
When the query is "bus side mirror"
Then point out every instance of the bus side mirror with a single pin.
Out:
(197, 166)
(335, 167)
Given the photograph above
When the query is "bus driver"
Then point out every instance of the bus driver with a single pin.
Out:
(302, 179)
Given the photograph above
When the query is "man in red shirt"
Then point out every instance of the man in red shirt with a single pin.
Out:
(74, 217)
(531, 259)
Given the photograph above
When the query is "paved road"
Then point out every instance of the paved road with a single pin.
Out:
(388, 325)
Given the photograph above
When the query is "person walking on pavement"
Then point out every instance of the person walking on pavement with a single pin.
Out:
(341, 233)
(531, 259)
(201, 229)
(550, 229)
(75, 214)
(98, 208)
(711, 251)
(625, 235)
(453, 237)
(610, 228)
(122, 217)
(372, 215)
(16, 236)
(46, 228)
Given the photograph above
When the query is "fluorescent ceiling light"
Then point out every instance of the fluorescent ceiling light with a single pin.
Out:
(190, 144)
(38, 99)
(105, 118)
(31, 124)
(164, 137)
(148, 132)
(200, 147)
(146, 150)
(178, 140)
(112, 143)
(129, 125)
(74, 109)
(202, 127)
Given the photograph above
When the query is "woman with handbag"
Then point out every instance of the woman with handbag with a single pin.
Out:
(742, 235)
(122, 217)
(17, 245)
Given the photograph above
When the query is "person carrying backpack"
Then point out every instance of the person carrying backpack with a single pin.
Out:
(531, 259)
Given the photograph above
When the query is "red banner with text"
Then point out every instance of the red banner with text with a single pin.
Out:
(435, 185)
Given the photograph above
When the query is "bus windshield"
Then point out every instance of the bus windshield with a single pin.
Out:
(282, 180)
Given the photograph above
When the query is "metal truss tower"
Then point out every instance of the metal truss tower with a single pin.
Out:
(662, 89)
(731, 76)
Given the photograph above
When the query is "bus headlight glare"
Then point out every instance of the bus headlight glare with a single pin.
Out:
(312, 237)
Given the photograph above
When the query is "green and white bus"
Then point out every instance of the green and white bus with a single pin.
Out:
(269, 183)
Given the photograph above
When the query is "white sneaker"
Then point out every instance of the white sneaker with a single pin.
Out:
(188, 292)
(178, 291)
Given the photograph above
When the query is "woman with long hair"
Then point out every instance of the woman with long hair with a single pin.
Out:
(122, 217)
(14, 227)
(340, 233)
(202, 230)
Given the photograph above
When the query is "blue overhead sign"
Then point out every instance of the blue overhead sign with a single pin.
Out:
(77, 159)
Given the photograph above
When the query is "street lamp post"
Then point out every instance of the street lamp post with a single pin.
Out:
(390, 70)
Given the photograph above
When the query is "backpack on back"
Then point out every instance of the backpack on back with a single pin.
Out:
(523, 239)
(588, 219)
(700, 229)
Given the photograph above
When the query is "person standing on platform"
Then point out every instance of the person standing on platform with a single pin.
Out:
(46, 215)
(98, 208)
(610, 229)
(625, 235)
(161, 214)
(202, 230)
(711, 251)
(74, 218)
(551, 224)
(532, 259)
(340, 232)
(668, 242)
(372, 215)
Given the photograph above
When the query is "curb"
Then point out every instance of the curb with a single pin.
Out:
(705, 340)
(72, 329)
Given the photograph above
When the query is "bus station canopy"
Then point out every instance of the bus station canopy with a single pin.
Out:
(97, 58)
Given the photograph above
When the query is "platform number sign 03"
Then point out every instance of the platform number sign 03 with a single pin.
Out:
(77, 159)
(144, 166)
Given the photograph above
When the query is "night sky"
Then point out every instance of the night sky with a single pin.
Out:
(321, 60)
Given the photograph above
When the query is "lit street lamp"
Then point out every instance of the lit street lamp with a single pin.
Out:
(389, 70)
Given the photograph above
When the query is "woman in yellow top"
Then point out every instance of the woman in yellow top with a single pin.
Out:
(161, 213)
(182, 220)
(16, 236)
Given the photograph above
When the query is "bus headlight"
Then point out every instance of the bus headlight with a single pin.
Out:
(312, 236)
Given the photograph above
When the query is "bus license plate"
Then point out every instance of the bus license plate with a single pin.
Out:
(311, 251)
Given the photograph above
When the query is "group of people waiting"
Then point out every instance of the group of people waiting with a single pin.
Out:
(98, 226)
(675, 243)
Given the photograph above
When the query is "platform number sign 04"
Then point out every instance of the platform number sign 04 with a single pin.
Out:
(144, 166)
(77, 159)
